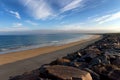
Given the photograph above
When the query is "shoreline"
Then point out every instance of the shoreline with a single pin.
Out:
(19, 62)
(25, 54)
(53, 43)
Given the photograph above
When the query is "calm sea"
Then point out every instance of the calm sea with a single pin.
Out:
(12, 43)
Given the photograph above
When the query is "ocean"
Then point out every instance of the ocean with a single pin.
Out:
(13, 43)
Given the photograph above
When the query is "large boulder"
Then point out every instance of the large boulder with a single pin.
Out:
(59, 72)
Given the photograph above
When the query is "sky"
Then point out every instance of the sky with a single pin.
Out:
(83, 15)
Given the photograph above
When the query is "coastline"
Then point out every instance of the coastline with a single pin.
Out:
(48, 44)
(25, 54)
(28, 60)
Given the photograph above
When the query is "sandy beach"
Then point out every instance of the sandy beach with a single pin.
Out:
(21, 55)
(15, 63)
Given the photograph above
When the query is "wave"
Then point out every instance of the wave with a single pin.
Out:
(50, 43)
(54, 41)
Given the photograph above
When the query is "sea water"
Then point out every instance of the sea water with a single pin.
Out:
(12, 43)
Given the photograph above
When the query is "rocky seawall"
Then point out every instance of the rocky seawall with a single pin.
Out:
(98, 61)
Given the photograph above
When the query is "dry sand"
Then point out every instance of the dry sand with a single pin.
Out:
(15, 63)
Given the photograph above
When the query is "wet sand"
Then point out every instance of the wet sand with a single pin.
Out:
(15, 63)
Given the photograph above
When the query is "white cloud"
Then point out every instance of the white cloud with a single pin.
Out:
(93, 28)
(107, 18)
(75, 26)
(16, 25)
(41, 9)
(6, 29)
(102, 18)
(16, 14)
(31, 22)
(38, 8)
(63, 22)
(74, 4)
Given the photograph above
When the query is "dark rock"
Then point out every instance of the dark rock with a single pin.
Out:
(79, 65)
(87, 58)
(71, 57)
(114, 75)
(104, 59)
(104, 69)
(117, 61)
(95, 61)
(101, 59)
(92, 52)
(78, 54)
(116, 45)
(99, 69)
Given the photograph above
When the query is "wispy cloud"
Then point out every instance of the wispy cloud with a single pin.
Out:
(72, 5)
(38, 8)
(45, 9)
(107, 18)
(81, 27)
(16, 25)
(75, 26)
(42, 9)
(7, 29)
(31, 22)
(16, 14)
(102, 18)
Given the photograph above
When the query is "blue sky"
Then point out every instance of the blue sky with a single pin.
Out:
(94, 15)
